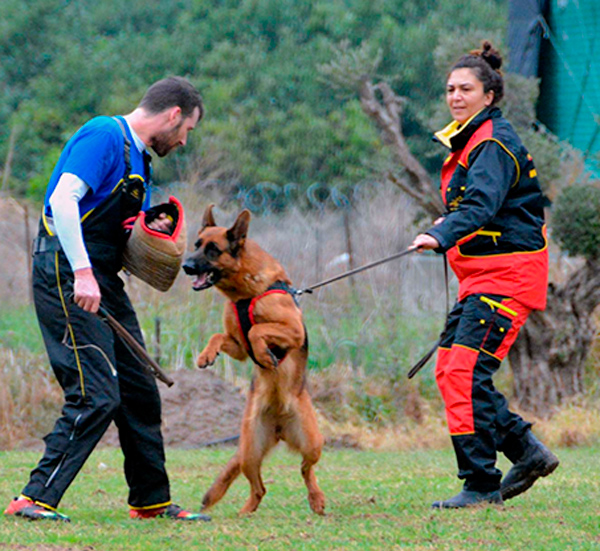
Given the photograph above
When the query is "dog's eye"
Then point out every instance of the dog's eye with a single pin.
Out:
(198, 244)
(212, 252)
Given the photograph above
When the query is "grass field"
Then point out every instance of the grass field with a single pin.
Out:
(364, 337)
(377, 501)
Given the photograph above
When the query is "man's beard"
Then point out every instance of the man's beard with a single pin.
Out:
(164, 142)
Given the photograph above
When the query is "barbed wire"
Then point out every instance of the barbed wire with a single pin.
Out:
(266, 197)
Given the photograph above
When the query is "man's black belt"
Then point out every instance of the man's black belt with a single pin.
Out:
(46, 244)
(51, 244)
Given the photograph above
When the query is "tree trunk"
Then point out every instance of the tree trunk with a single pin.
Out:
(548, 358)
(383, 106)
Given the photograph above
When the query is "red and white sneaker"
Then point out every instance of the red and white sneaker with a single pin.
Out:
(172, 511)
(27, 508)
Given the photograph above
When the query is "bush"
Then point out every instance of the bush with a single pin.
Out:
(576, 221)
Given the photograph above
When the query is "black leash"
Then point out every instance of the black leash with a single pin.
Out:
(310, 289)
(423, 361)
(135, 347)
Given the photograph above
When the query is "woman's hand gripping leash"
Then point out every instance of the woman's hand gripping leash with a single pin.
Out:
(425, 242)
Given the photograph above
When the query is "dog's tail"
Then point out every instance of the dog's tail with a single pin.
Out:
(220, 486)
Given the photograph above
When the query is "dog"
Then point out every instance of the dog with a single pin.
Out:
(278, 405)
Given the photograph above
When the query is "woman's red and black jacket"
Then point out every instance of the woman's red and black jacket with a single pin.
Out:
(493, 229)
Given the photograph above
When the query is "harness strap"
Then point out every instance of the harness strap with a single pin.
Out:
(244, 312)
(133, 187)
(126, 149)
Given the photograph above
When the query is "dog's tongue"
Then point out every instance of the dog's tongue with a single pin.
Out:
(199, 281)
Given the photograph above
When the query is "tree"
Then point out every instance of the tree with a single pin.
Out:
(268, 119)
(549, 356)
(354, 69)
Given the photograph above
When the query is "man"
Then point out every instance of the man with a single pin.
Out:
(100, 180)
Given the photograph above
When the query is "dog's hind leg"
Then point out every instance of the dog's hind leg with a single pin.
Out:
(261, 438)
(222, 483)
(316, 497)
(257, 489)
(303, 435)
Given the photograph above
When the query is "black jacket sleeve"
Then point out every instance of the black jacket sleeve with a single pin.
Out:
(491, 173)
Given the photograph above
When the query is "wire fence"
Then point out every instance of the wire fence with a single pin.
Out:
(17, 226)
(316, 234)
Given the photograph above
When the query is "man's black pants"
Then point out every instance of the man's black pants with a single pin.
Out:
(102, 381)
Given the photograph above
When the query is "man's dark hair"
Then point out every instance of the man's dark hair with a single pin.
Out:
(172, 92)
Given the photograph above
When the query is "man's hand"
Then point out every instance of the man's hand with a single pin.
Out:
(87, 291)
(424, 241)
(161, 223)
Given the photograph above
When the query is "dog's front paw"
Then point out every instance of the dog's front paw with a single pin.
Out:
(206, 358)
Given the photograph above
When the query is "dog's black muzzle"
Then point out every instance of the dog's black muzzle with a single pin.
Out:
(204, 274)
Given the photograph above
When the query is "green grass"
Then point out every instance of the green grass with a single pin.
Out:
(19, 329)
(372, 337)
(377, 501)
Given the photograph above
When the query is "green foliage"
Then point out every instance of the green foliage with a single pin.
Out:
(39, 181)
(375, 409)
(372, 338)
(19, 330)
(274, 74)
(350, 67)
(269, 115)
(576, 221)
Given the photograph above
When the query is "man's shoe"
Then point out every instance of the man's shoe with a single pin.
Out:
(468, 498)
(537, 460)
(172, 511)
(27, 508)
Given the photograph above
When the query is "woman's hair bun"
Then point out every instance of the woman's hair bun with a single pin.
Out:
(485, 63)
(489, 54)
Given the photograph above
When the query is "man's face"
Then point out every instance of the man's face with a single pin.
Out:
(174, 133)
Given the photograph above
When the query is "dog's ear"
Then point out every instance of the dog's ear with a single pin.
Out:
(236, 235)
(208, 218)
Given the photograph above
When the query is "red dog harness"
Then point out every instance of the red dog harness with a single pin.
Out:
(244, 313)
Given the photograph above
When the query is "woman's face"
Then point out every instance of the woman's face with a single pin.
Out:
(465, 96)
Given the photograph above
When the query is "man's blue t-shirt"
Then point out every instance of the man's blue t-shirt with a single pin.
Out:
(95, 154)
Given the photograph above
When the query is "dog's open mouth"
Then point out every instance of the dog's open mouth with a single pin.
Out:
(204, 280)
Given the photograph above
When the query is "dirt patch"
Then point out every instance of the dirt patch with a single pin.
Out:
(198, 409)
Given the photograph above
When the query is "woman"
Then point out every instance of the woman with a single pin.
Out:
(494, 235)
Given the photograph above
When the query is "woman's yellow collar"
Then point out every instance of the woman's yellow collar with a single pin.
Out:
(453, 129)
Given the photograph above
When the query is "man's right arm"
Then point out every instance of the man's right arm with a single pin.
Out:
(64, 203)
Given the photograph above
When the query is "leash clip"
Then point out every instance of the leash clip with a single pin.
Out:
(300, 292)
